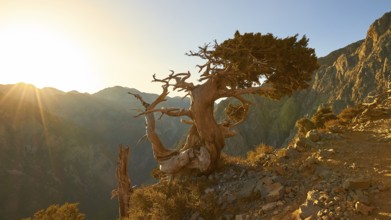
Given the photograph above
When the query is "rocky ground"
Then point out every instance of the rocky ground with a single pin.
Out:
(340, 172)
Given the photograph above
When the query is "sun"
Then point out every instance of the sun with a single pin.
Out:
(44, 57)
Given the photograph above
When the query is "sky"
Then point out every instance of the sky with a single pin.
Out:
(89, 45)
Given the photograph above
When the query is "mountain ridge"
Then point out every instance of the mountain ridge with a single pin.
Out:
(103, 120)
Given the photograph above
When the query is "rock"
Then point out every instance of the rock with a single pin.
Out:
(362, 208)
(323, 172)
(209, 190)
(269, 206)
(356, 183)
(291, 153)
(362, 197)
(302, 144)
(267, 180)
(227, 217)
(241, 217)
(195, 216)
(309, 208)
(280, 203)
(228, 197)
(327, 153)
(242, 173)
(247, 189)
(313, 135)
(276, 191)
(336, 129)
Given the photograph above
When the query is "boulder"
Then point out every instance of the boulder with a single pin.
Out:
(302, 144)
(362, 208)
(313, 135)
(269, 206)
(356, 183)
(309, 208)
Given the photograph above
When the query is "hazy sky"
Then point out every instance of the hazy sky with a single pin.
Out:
(88, 45)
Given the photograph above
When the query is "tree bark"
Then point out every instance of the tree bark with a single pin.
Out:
(124, 185)
(202, 109)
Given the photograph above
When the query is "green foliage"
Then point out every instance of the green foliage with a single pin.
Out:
(287, 63)
(68, 211)
(323, 115)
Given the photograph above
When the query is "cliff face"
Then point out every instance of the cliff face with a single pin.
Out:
(345, 77)
(357, 71)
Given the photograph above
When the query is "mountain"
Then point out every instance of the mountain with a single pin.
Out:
(346, 77)
(341, 171)
(58, 147)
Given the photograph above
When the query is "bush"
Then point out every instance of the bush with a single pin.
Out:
(178, 201)
(258, 153)
(68, 211)
(349, 113)
(304, 125)
(321, 116)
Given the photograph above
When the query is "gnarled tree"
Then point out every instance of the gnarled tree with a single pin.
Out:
(246, 64)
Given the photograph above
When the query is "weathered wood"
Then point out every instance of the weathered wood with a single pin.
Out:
(247, 64)
(124, 189)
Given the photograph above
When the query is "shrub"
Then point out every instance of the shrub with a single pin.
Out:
(175, 201)
(68, 211)
(304, 125)
(349, 113)
(321, 116)
(258, 153)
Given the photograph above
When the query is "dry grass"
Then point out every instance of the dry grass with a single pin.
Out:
(176, 201)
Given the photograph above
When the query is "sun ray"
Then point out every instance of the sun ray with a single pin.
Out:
(21, 100)
(44, 123)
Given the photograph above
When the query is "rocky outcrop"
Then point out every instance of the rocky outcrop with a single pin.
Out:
(346, 77)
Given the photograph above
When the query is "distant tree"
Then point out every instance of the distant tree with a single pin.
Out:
(249, 63)
(68, 211)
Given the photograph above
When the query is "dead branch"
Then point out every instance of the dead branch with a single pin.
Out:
(180, 81)
(124, 188)
(174, 112)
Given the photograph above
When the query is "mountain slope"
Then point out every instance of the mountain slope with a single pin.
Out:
(339, 172)
(345, 77)
(45, 159)
(62, 147)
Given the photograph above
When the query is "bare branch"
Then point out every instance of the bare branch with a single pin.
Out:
(246, 104)
(180, 81)
(174, 112)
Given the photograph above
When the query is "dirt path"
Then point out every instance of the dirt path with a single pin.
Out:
(366, 154)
